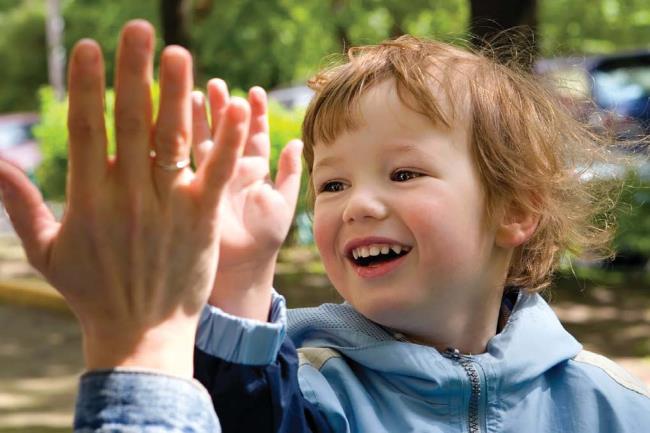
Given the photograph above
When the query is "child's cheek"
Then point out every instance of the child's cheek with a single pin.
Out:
(442, 235)
(324, 237)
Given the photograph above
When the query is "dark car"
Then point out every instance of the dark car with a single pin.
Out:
(621, 84)
(17, 143)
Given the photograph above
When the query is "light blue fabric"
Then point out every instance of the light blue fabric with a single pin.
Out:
(132, 400)
(528, 379)
(242, 341)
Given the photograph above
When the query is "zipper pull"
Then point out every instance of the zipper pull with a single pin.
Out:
(452, 353)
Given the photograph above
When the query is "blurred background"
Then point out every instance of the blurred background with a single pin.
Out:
(596, 53)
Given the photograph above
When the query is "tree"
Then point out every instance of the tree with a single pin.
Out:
(509, 26)
(176, 22)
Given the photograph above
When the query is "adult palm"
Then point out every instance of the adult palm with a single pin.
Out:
(136, 252)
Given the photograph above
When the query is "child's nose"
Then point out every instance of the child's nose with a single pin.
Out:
(364, 204)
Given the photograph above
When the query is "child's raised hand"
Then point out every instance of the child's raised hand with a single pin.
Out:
(135, 255)
(256, 213)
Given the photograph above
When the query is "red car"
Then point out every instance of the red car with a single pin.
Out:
(17, 143)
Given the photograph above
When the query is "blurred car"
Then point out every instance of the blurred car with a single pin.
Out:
(292, 97)
(610, 92)
(17, 143)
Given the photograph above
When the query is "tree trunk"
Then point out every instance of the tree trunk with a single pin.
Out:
(176, 21)
(508, 27)
(341, 31)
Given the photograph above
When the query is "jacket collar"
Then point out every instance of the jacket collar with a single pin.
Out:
(532, 342)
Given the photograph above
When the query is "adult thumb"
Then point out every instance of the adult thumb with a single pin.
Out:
(33, 221)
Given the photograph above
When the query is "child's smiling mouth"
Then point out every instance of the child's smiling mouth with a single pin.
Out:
(374, 257)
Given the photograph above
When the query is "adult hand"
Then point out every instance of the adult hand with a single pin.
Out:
(136, 252)
(256, 214)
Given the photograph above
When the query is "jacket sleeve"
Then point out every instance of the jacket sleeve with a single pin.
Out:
(250, 370)
(129, 400)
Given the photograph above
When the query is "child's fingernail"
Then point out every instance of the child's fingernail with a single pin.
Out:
(197, 97)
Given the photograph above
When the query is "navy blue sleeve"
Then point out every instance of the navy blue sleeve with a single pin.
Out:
(259, 399)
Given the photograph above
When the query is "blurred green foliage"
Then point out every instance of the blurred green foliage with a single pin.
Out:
(569, 27)
(247, 42)
(633, 233)
(279, 42)
(22, 54)
(53, 136)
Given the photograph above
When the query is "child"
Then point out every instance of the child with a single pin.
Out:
(445, 193)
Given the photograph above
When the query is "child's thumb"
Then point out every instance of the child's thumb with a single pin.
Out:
(287, 180)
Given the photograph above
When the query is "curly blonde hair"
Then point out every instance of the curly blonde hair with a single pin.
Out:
(530, 152)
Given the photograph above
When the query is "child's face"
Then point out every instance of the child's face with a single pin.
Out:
(399, 181)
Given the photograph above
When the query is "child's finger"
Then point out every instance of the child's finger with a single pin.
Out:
(87, 154)
(218, 98)
(287, 180)
(219, 164)
(31, 218)
(201, 136)
(258, 143)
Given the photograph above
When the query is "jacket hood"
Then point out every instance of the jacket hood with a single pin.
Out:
(532, 342)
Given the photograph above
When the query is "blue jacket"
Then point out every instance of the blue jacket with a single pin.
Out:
(355, 376)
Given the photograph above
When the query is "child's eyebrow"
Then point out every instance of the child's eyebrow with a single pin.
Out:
(330, 161)
(410, 149)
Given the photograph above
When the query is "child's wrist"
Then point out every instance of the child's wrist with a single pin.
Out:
(245, 292)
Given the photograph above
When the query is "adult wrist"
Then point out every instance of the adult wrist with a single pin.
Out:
(166, 348)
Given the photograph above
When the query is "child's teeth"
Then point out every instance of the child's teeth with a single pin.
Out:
(377, 249)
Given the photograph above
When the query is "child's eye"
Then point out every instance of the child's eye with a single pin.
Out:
(333, 186)
(404, 175)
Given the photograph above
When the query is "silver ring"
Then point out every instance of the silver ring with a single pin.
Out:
(174, 166)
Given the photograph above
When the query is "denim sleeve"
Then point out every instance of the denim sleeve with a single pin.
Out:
(131, 400)
(250, 370)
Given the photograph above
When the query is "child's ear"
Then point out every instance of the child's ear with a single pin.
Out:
(516, 227)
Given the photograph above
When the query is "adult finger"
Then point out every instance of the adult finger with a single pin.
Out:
(218, 98)
(87, 132)
(219, 164)
(172, 138)
(258, 143)
(32, 220)
(133, 101)
(287, 180)
(201, 135)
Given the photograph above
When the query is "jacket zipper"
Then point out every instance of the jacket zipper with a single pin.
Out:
(474, 424)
